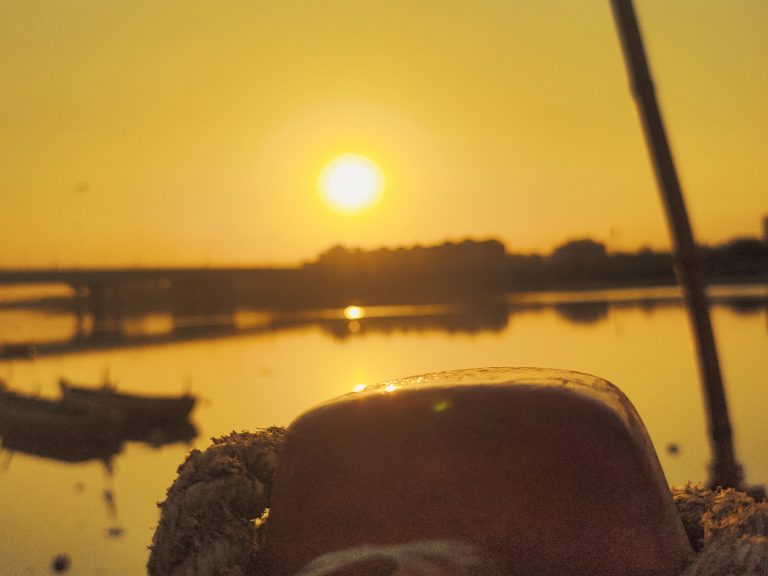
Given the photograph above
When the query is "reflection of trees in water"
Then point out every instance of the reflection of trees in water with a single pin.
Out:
(459, 316)
(746, 306)
(593, 312)
(583, 312)
(471, 322)
(466, 317)
(648, 306)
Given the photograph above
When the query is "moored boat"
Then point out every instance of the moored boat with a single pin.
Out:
(54, 429)
(135, 410)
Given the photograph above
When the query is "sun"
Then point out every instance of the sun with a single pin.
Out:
(351, 183)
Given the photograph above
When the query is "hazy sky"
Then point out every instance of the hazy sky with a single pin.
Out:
(190, 132)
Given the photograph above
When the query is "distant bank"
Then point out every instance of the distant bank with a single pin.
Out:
(468, 270)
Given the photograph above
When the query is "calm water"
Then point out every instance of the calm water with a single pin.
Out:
(638, 339)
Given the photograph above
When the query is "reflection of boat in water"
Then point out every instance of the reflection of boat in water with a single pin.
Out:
(53, 429)
(90, 424)
(157, 436)
(156, 420)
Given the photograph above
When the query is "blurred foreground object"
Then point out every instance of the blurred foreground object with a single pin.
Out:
(427, 558)
(724, 469)
(215, 519)
(728, 530)
(208, 520)
(541, 471)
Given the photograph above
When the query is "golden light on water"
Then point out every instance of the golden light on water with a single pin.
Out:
(351, 183)
(354, 312)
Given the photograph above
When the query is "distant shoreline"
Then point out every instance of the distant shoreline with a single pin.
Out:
(66, 303)
(468, 271)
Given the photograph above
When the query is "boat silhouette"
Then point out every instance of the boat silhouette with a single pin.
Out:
(90, 423)
(57, 430)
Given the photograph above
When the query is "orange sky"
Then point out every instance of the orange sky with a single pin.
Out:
(192, 132)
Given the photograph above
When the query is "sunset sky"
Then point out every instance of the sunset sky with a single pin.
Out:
(191, 132)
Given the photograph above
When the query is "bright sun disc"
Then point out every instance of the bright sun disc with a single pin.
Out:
(354, 312)
(351, 183)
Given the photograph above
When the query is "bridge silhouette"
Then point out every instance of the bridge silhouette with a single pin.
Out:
(76, 277)
(203, 303)
(108, 295)
(206, 303)
(457, 318)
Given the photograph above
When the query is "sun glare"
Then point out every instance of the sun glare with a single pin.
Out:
(351, 183)
(354, 312)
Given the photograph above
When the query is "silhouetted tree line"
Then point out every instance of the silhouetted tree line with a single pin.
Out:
(409, 275)
(469, 268)
(469, 271)
(740, 258)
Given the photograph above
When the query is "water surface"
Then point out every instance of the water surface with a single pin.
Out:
(281, 365)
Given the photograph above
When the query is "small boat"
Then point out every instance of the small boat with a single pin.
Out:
(136, 411)
(54, 429)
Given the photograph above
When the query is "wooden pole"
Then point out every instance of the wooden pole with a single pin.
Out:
(724, 470)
